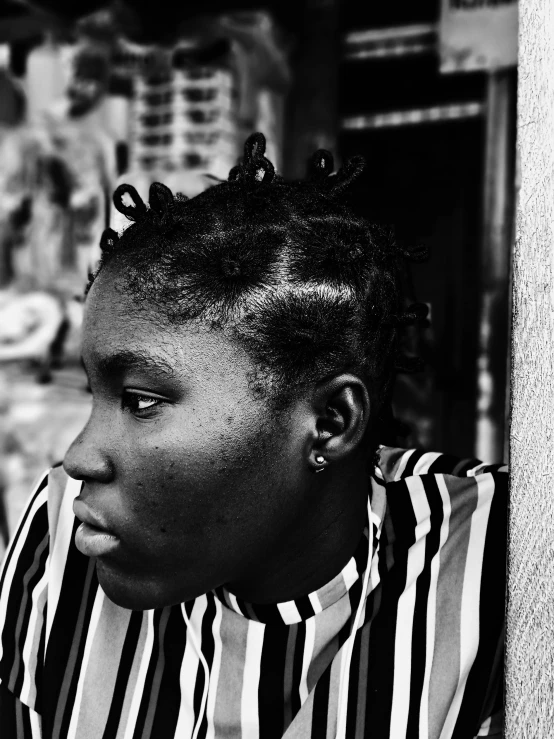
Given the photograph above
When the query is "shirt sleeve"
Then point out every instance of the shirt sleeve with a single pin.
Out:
(18, 720)
(23, 593)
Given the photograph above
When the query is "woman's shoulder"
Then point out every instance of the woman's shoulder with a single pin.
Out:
(46, 518)
(396, 464)
(23, 596)
(415, 483)
(428, 494)
(31, 575)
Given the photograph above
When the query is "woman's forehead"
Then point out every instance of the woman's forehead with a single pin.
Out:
(119, 333)
(110, 304)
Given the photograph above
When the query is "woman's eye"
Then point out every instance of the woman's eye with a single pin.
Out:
(144, 403)
(137, 403)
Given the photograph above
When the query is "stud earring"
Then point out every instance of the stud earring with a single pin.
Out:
(320, 460)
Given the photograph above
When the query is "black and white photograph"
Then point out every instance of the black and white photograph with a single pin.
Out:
(276, 369)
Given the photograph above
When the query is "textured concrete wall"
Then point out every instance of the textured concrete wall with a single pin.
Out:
(530, 640)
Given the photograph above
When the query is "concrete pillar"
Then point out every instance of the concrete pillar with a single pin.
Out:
(530, 618)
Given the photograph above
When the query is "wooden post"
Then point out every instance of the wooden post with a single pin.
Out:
(530, 617)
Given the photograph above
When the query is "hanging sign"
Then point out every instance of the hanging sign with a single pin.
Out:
(478, 35)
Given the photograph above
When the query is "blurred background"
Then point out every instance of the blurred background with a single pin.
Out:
(94, 93)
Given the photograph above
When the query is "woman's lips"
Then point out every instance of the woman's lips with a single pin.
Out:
(92, 537)
(94, 542)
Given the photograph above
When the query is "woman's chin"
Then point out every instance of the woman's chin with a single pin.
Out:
(124, 591)
(138, 594)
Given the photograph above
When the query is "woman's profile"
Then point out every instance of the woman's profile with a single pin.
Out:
(229, 550)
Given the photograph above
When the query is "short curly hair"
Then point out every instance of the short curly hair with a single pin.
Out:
(308, 288)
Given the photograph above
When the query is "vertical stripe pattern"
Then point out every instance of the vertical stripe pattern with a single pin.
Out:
(426, 660)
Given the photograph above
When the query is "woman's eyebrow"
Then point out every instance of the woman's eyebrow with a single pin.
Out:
(128, 359)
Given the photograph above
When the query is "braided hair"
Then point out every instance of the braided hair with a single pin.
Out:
(305, 286)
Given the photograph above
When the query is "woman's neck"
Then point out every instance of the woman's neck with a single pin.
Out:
(319, 546)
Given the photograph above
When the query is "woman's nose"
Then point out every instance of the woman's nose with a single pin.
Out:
(87, 458)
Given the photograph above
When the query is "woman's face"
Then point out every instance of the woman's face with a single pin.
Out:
(197, 482)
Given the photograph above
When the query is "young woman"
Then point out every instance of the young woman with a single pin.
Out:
(227, 551)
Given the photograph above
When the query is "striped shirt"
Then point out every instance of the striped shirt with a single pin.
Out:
(426, 658)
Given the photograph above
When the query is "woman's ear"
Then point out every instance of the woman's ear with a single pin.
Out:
(343, 407)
